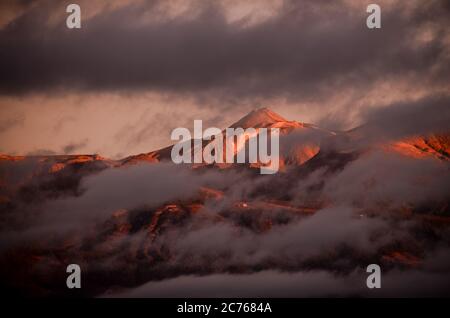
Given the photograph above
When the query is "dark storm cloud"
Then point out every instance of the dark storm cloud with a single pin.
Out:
(308, 49)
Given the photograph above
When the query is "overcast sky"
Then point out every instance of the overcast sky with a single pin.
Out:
(138, 69)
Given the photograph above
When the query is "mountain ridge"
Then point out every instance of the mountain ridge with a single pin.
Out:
(433, 145)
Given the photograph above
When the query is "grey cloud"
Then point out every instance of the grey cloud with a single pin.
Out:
(422, 117)
(132, 187)
(220, 247)
(262, 284)
(73, 147)
(411, 283)
(301, 52)
(383, 178)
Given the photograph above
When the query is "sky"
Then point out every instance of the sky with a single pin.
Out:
(138, 69)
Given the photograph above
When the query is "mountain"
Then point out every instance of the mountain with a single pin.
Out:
(433, 145)
(223, 219)
(299, 143)
(260, 118)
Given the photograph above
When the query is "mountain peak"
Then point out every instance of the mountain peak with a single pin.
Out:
(258, 118)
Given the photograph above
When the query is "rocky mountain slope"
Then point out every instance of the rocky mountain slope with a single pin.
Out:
(143, 218)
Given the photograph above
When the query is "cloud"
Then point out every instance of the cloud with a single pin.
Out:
(74, 147)
(224, 246)
(153, 66)
(410, 283)
(94, 197)
(262, 284)
(300, 52)
(297, 255)
(382, 178)
(422, 117)
(8, 123)
(312, 61)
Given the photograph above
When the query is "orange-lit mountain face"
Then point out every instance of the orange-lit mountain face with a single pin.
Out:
(311, 139)
(336, 205)
(434, 145)
(291, 152)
